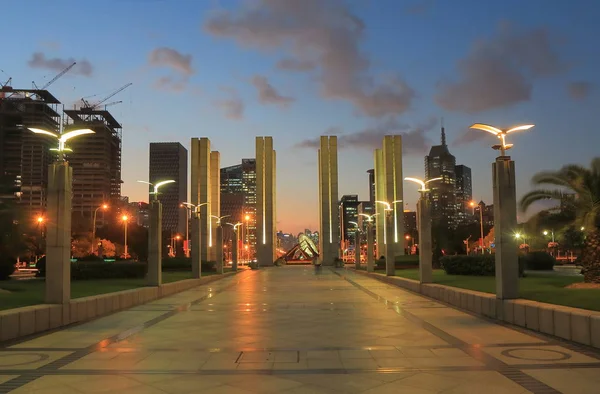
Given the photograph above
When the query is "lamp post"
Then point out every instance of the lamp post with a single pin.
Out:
(505, 212)
(234, 243)
(197, 242)
(552, 232)
(424, 230)
(125, 219)
(370, 246)
(187, 228)
(58, 229)
(103, 206)
(219, 246)
(356, 245)
(409, 244)
(246, 239)
(40, 224)
(154, 276)
(481, 244)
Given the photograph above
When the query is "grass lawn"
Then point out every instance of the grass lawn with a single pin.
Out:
(31, 292)
(538, 287)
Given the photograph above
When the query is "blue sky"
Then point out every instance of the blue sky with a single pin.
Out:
(190, 62)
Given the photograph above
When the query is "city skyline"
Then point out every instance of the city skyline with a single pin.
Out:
(193, 70)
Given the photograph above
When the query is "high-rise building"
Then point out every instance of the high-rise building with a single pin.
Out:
(348, 213)
(168, 160)
(96, 163)
(238, 197)
(25, 156)
(410, 223)
(440, 163)
(464, 194)
(371, 173)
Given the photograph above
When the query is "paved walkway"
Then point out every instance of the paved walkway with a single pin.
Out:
(287, 330)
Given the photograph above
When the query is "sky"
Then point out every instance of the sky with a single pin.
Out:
(297, 69)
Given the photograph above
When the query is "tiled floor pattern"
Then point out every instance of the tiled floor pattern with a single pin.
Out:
(289, 330)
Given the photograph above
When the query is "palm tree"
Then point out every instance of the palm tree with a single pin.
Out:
(583, 184)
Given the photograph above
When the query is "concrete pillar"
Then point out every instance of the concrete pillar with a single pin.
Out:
(218, 247)
(201, 191)
(329, 220)
(357, 249)
(58, 234)
(196, 246)
(393, 189)
(379, 208)
(215, 197)
(390, 260)
(425, 242)
(505, 223)
(154, 276)
(370, 247)
(266, 222)
(234, 251)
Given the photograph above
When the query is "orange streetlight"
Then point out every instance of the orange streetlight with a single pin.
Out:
(125, 219)
(104, 207)
(40, 219)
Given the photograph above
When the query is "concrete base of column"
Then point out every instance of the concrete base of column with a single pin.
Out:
(195, 253)
(219, 250)
(58, 234)
(370, 249)
(154, 277)
(505, 222)
(425, 242)
(390, 247)
(234, 251)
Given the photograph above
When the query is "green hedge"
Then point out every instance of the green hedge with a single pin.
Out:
(7, 266)
(475, 265)
(103, 270)
(539, 261)
(401, 262)
(185, 264)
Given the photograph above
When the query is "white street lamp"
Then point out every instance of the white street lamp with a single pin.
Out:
(62, 138)
(189, 208)
(501, 134)
(157, 186)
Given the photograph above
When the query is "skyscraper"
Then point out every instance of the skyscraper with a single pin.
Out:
(371, 173)
(348, 213)
(25, 156)
(238, 196)
(96, 162)
(440, 163)
(168, 160)
(464, 194)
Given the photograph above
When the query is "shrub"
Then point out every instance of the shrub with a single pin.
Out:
(475, 265)
(7, 266)
(185, 264)
(90, 257)
(539, 261)
(41, 267)
(84, 270)
(400, 262)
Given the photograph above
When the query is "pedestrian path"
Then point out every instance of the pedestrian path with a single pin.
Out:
(290, 330)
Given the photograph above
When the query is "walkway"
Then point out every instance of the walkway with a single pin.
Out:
(287, 330)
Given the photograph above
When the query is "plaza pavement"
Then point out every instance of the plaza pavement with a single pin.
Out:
(288, 330)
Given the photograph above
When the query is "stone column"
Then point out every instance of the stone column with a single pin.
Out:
(425, 242)
(266, 222)
(154, 276)
(393, 189)
(357, 249)
(196, 246)
(234, 250)
(379, 208)
(390, 260)
(370, 247)
(329, 220)
(505, 223)
(58, 234)
(215, 198)
(201, 191)
(218, 247)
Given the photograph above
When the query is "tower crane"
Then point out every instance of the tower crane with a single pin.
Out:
(60, 74)
(91, 107)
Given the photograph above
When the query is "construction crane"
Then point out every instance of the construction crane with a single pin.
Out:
(60, 74)
(113, 103)
(91, 107)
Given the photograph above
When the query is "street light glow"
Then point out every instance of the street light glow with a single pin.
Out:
(62, 138)
(501, 134)
(124, 218)
(517, 235)
(40, 219)
(157, 186)
(422, 182)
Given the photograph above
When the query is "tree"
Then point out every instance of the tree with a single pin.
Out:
(583, 185)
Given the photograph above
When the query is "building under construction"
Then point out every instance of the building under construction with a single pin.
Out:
(25, 156)
(96, 162)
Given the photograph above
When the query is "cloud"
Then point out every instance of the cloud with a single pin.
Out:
(169, 84)
(290, 64)
(168, 57)
(39, 60)
(471, 135)
(580, 90)
(267, 94)
(233, 106)
(414, 139)
(323, 33)
(499, 72)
